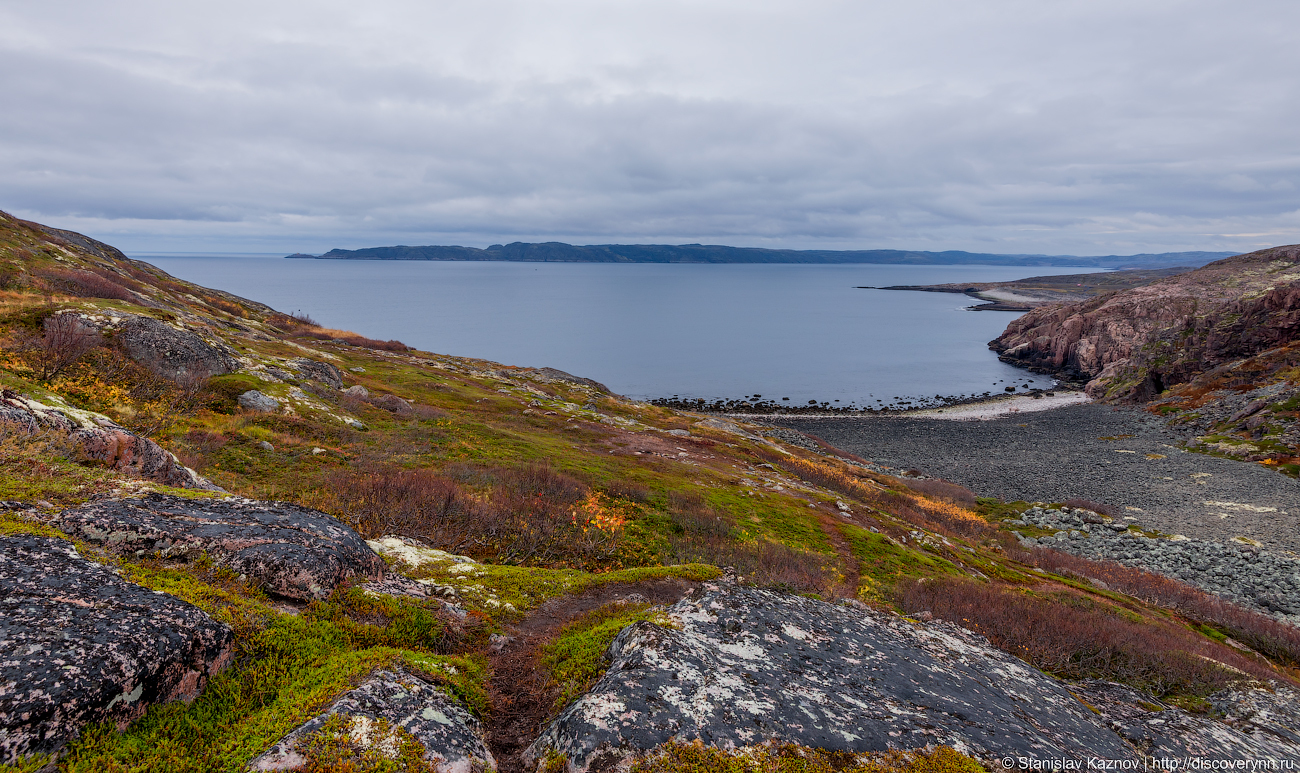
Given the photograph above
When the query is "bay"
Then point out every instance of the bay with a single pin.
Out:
(802, 332)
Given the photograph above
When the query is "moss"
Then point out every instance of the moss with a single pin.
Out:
(576, 658)
(511, 590)
(883, 563)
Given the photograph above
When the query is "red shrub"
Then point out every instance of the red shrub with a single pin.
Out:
(1074, 637)
(1260, 632)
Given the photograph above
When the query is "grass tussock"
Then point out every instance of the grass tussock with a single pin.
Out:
(1073, 636)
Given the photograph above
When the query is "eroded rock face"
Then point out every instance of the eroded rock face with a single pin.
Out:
(172, 352)
(78, 644)
(292, 551)
(1133, 344)
(747, 666)
(452, 737)
(94, 438)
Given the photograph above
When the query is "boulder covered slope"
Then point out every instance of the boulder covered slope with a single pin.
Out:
(202, 587)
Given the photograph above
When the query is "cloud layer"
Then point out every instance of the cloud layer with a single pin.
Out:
(1075, 126)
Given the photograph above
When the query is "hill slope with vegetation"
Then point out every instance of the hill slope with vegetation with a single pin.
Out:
(526, 517)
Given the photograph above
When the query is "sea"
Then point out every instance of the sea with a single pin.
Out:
(784, 333)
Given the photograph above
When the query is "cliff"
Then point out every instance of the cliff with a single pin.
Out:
(1132, 345)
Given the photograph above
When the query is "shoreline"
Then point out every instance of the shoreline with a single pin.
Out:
(968, 409)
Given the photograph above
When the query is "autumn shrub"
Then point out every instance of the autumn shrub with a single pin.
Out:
(84, 284)
(1074, 637)
(531, 515)
(1264, 634)
(942, 489)
(63, 341)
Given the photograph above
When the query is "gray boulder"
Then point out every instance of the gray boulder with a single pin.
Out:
(78, 644)
(291, 551)
(356, 390)
(172, 352)
(318, 371)
(254, 400)
(451, 736)
(94, 438)
(746, 666)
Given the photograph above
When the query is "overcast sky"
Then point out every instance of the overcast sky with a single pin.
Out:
(1060, 126)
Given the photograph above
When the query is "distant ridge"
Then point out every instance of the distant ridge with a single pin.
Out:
(711, 253)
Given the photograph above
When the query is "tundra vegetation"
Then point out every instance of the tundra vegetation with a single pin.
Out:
(556, 489)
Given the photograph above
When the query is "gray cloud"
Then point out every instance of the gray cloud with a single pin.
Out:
(1065, 126)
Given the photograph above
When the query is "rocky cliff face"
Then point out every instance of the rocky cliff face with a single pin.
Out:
(1132, 345)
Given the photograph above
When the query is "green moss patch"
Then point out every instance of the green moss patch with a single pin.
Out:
(576, 658)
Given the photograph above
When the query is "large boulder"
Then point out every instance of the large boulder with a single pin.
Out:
(743, 666)
(94, 438)
(173, 352)
(451, 736)
(312, 370)
(78, 644)
(292, 551)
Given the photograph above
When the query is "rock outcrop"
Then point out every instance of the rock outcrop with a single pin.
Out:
(744, 666)
(91, 437)
(1168, 733)
(312, 370)
(1131, 345)
(452, 738)
(291, 551)
(78, 644)
(173, 352)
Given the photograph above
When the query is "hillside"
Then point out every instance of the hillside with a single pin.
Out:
(231, 539)
(1216, 349)
(712, 253)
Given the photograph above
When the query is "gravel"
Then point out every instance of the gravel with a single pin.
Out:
(1264, 581)
(1122, 457)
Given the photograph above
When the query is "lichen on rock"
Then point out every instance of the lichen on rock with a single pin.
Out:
(291, 551)
(78, 644)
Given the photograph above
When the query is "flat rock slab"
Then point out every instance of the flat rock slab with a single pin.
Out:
(747, 666)
(452, 737)
(292, 551)
(78, 644)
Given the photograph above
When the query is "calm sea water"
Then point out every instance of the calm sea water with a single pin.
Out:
(711, 331)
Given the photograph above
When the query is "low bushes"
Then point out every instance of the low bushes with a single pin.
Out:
(1272, 638)
(1072, 636)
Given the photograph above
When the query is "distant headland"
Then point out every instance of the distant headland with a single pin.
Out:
(558, 252)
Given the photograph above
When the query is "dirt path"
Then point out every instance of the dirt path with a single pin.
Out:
(521, 697)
